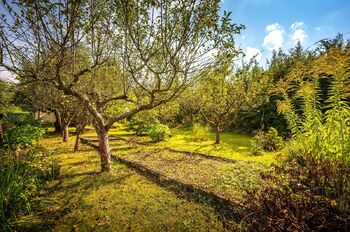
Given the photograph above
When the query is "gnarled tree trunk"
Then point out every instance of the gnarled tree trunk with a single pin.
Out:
(105, 151)
(65, 133)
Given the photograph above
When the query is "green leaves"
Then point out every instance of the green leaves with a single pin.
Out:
(159, 131)
(23, 136)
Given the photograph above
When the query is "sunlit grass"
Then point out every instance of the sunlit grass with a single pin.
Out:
(84, 200)
(233, 146)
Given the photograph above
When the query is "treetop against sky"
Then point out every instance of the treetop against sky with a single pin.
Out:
(274, 24)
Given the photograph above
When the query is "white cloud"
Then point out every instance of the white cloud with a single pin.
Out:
(318, 28)
(298, 34)
(296, 25)
(251, 52)
(274, 39)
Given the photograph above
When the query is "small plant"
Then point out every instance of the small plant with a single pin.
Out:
(51, 172)
(158, 132)
(23, 136)
(269, 141)
(200, 132)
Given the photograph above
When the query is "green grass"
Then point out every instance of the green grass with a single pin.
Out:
(83, 200)
(124, 200)
(228, 179)
(233, 146)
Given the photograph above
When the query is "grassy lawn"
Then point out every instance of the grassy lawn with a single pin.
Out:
(228, 179)
(83, 200)
(233, 146)
(124, 200)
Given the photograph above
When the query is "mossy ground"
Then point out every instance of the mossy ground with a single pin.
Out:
(82, 199)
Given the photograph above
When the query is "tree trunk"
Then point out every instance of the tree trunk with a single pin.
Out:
(65, 133)
(77, 139)
(105, 152)
(217, 135)
(58, 123)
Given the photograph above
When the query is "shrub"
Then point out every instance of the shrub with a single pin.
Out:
(138, 126)
(159, 131)
(200, 132)
(269, 141)
(23, 136)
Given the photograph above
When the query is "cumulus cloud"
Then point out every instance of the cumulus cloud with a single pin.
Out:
(296, 25)
(274, 38)
(298, 34)
(251, 52)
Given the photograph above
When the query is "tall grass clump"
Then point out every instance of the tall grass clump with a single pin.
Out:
(200, 133)
(18, 183)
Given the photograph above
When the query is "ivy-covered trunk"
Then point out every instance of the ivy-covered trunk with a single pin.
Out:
(105, 151)
(65, 133)
(217, 135)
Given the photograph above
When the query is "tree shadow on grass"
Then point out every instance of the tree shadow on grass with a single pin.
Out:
(69, 194)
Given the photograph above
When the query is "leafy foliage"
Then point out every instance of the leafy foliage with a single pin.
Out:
(140, 127)
(269, 141)
(23, 136)
(158, 132)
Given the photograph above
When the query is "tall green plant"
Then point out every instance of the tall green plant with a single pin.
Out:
(321, 140)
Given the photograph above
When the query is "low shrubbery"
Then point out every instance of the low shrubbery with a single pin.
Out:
(295, 202)
(138, 126)
(158, 132)
(23, 136)
(269, 141)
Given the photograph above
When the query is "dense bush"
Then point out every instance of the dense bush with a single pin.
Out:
(22, 174)
(138, 126)
(158, 132)
(23, 136)
(269, 141)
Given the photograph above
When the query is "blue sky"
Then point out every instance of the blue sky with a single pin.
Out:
(271, 24)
